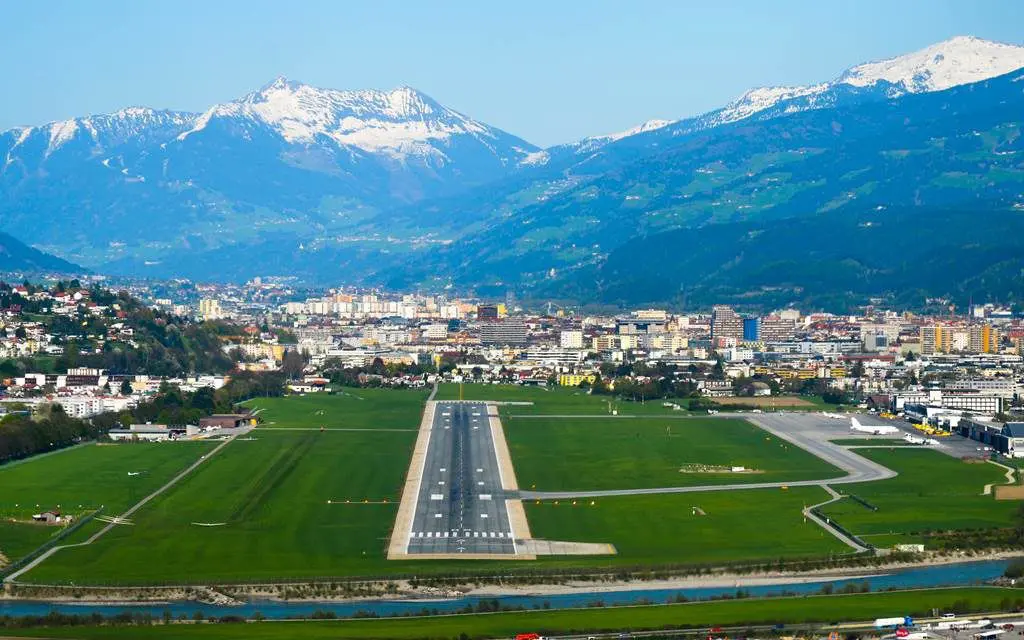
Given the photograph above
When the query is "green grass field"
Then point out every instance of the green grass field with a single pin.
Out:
(269, 497)
(755, 524)
(272, 495)
(347, 409)
(553, 400)
(932, 492)
(793, 610)
(571, 400)
(79, 480)
(553, 454)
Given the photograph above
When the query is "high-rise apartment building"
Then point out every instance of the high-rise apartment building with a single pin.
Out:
(726, 323)
(209, 309)
(509, 332)
(751, 329)
(979, 338)
(777, 329)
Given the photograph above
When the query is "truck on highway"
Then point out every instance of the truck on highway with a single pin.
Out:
(892, 623)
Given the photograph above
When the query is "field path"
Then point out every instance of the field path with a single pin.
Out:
(1010, 479)
(12, 578)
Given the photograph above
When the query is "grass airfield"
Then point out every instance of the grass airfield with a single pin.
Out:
(556, 454)
(933, 492)
(346, 409)
(79, 480)
(258, 510)
(292, 502)
(552, 400)
(690, 529)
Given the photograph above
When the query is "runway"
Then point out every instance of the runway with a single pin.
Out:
(461, 506)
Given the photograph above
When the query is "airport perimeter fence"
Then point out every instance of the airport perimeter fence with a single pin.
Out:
(49, 544)
(846, 532)
(861, 501)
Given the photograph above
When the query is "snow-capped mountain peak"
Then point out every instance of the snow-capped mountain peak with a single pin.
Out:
(398, 123)
(944, 65)
(947, 64)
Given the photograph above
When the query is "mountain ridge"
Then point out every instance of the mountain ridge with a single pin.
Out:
(16, 256)
(376, 184)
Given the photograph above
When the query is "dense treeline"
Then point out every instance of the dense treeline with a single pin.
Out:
(22, 435)
(369, 376)
(160, 344)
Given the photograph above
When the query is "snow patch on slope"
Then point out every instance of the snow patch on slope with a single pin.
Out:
(106, 129)
(60, 133)
(757, 100)
(535, 159)
(650, 125)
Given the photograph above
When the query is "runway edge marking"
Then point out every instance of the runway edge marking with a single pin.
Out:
(506, 473)
(398, 549)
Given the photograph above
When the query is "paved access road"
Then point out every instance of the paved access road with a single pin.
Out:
(460, 507)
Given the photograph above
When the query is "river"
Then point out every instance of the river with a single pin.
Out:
(961, 574)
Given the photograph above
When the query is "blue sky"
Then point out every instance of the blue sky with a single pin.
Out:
(549, 71)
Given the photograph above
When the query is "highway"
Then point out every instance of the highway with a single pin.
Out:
(761, 630)
(460, 507)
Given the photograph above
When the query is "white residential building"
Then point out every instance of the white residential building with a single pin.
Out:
(571, 340)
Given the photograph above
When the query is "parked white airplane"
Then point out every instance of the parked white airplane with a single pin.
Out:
(915, 440)
(834, 416)
(877, 430)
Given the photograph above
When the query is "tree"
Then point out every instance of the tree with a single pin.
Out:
(834, 396)
(126, 388)
(718, 371)
(377, 367)
(292, 364)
